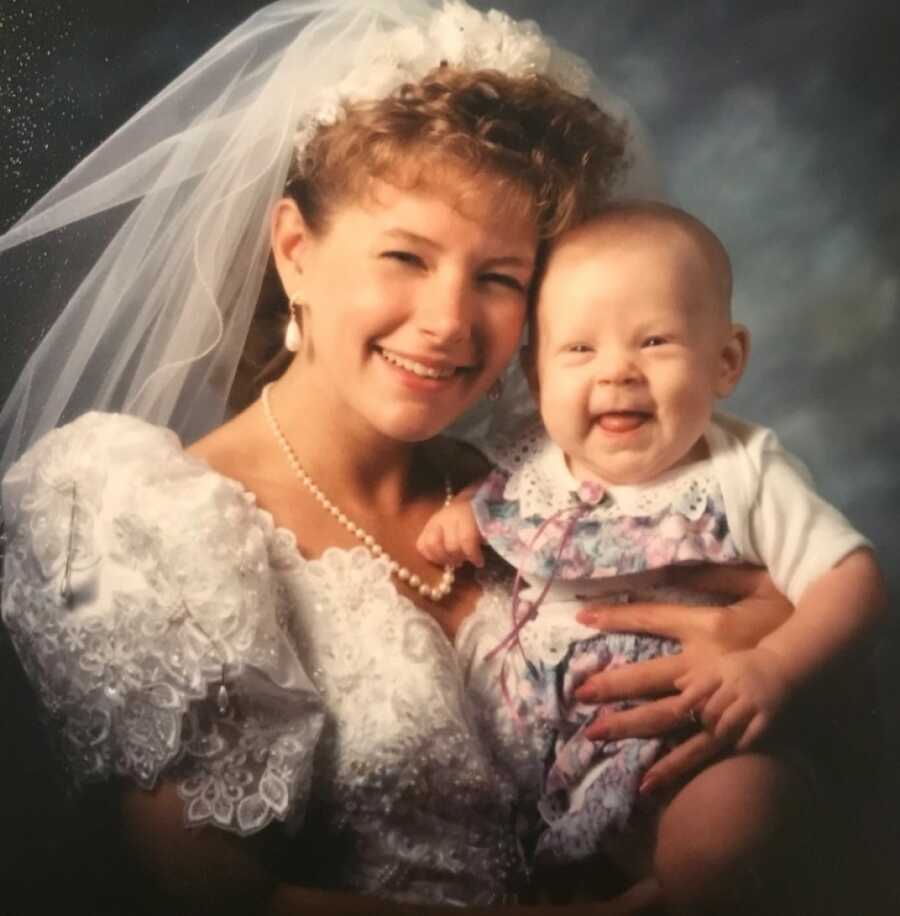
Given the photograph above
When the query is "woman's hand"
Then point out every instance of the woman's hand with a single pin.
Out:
(705, 634)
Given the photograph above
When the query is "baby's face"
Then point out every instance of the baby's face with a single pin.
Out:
(634, 346)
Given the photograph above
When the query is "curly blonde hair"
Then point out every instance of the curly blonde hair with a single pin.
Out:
(551, 155)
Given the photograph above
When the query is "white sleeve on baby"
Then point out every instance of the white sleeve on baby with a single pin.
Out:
(777, 518)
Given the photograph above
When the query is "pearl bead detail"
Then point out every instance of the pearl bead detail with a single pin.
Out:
(441, 590)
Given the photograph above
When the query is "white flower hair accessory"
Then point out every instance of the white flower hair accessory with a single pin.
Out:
(456, 35)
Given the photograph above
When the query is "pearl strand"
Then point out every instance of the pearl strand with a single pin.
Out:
(436, 593)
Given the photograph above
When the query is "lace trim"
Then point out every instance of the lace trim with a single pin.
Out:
(540, 482)
(128, 596)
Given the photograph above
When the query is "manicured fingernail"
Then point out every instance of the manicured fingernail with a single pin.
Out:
(646, 787)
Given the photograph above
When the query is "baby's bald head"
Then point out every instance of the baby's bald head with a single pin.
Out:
(700, 251)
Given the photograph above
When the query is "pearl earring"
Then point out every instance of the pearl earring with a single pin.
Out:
(293, 336)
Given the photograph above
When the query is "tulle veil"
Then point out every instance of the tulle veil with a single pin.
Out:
(161, 234)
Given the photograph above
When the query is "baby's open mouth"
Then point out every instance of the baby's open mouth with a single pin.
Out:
(622, 421)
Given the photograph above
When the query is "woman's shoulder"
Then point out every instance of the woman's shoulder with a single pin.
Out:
(109, 457)
(138, 582)
(95, 447)
(127, 488)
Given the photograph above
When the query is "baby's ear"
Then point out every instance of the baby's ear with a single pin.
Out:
(528, 362)
(732, 359)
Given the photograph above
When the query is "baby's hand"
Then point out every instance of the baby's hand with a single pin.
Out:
(451, 537)
(737, 696)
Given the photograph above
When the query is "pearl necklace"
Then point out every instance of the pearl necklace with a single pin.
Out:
(436, 593)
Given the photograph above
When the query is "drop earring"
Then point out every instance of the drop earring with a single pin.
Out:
(293, 336)
(495, 392)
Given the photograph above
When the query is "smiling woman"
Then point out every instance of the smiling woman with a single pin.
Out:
(411, 337)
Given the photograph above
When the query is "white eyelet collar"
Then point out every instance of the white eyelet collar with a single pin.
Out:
(541, 482)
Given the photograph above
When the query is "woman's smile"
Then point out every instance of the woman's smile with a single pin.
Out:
(424, 367)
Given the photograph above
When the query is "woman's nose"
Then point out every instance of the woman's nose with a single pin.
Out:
(446, 314)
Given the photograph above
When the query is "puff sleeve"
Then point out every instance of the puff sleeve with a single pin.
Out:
(138, 582)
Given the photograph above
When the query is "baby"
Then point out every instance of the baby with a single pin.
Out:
(631, 345)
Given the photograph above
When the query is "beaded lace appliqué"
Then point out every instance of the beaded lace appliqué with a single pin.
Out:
(124, 618)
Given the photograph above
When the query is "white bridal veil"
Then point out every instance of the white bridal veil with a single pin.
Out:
(161, 234)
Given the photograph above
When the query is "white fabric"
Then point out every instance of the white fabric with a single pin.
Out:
(775, 515)
(134, 572)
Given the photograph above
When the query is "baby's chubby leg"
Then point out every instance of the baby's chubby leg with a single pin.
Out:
(732, 841)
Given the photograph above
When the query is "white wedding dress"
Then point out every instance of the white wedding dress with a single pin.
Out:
(139, 582)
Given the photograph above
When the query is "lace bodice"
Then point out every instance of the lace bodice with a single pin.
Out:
(138, 581)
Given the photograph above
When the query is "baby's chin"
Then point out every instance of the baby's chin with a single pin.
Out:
(623, 470)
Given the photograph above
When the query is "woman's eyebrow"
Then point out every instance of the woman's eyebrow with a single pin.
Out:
(407, 236)
(506, 260)
(511, 260)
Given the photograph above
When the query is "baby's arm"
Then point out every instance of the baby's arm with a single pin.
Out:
(818, 561)
(451, 536)
(738, 695)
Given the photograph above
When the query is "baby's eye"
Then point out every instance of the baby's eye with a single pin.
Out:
(655, 340)
(578, 348)
(404, 257)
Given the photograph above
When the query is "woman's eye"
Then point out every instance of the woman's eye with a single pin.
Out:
(506, 280)
(654, 341)
(404, 257)
(578, 348)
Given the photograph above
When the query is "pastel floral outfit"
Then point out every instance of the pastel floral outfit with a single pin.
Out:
(581, 542)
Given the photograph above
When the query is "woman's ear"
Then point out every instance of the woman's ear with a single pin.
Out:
(290, 237)
(732, 360)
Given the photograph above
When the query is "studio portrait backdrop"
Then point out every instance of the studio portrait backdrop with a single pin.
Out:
(775, 122)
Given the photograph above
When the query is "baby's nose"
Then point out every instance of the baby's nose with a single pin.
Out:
(616, 366)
